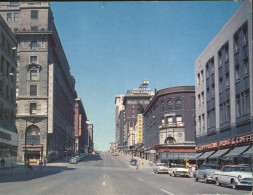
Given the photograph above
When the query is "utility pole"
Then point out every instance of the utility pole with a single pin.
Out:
(173, 145)
(166, 147)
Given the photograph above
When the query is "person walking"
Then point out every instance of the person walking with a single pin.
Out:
(137, 167)
(2, 163)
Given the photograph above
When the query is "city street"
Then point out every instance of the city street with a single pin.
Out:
(105, 174)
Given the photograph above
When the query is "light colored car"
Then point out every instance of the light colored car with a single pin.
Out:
(179, 170)
(73, 160)
(133, 162)
(160, 168)
(78, 158)
(206, 171)
(234, 175)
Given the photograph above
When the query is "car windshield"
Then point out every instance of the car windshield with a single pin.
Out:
(243, 169)
(178, 166)
(161, 164)
(212, 167)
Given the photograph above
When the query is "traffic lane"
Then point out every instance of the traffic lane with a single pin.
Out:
(187, 185)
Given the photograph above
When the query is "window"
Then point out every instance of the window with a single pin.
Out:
(200, 123)
(213, 90)
(228, 111)
(202, 75)
(34, 14)
(34, 45)
(2, 64)
(212, 66)
(33, 107)
(246, 67)
(221, 114)
(207, 94)
(199, 101)
(220, 84)
(33, 90)
(33, 135)
(169, 105)
(245, 35)
(198, 79)
(227, 80)
(8, 16)
(226, 52)
(170, 120)
(203, 122)
(163, 121)
(16, 17)
(202, 98)
(178, 119)
(17, 91)
(236, 43)
(7, 91)
(162, 106)
(178, 104)
(33, 59)
(238, 106)
(33, 75)
(220, 59)
(1, 87)
(34, 28)
(208, 119)
(237, 73)
(207, 71)
(247, 102)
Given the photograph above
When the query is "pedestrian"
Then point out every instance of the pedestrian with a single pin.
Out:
(2, 163)
(137, 167)
(45, 162)
(29, 166)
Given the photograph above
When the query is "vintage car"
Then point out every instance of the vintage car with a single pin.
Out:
(234, 175)
(179, 170)
(133, 162)
(205, 172)
(160, 168)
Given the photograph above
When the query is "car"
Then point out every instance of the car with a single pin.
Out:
(133, 162)
(73, 160)
(78, 158)
(179, 170)
(206, 171)
(234, 175)
(161, 168)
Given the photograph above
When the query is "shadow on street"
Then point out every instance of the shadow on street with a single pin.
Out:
(49, 170)
(96, 157)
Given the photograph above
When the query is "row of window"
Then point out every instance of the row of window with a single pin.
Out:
(7, 92)
(6, 45)
(170, 120)
(15, 17)
(7, 115)
(6, 69)
(178, 105)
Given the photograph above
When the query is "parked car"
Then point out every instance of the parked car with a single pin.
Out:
(160, 168)
(206, 171)
(73, 160)
(133, 162)
(179, 170)
(78, 158)
(234, 175)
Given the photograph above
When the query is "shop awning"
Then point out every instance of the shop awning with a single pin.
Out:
(194, 156)
(177, 155)
(219, 153)
(205, 155)
(248, 153)
(236, 151)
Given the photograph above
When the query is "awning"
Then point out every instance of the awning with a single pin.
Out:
(236, 151)
(177, 155)
(205, 155)
(248, 153)
(219, 153)
(194, 156)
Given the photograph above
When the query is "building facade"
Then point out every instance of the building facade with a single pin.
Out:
(81, 129)
(45, 92)
(224, 90)
(169, 124)
(118, 108)
(135, 101)
(8, 66)
(90, 130)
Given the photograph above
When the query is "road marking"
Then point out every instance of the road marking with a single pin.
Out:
(166, 192)
(103, 183)
(44, 188)
(104, 175)
(140, 179)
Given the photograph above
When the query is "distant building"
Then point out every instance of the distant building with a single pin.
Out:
(224, 92)
(8, 66)
(90, 130)
(118, 108)
(135, 101)
(169, 124)
(45, 92)
(81, 129)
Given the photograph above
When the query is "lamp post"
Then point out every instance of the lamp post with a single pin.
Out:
(166, 147)
(173, 145)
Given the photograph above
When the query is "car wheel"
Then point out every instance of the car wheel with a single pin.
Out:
(174, 175)
(196, 178)
(234, 184)
(217, 182)
(206, 180)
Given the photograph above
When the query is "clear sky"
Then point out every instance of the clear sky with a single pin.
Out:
(113, 46)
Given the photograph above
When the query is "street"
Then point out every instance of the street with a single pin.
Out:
(105, 174)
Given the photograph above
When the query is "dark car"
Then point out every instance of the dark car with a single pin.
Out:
(133, 162)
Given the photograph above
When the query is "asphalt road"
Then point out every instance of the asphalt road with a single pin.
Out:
(105, 174)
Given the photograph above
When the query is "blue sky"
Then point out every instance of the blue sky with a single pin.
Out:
(113, 46)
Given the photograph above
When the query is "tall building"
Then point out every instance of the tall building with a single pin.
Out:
(224, 91)
(118, 108)
(169, 125)
(135, 101)
(90, 130)
(8, 65)
(81, 129)
(45, 92)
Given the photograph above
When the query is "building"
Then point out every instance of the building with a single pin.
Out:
(90, 130)
(118, 108)
(135, 101)
(45, 92)
(169, 125)
(224, 92)
(81, 130)
(8, 66)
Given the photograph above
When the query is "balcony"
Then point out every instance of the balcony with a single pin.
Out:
(31, 31)
(173, 125)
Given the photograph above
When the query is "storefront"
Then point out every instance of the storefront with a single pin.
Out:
(215, 157)
(33, 153)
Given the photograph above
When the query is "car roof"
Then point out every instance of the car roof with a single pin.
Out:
(235, 166)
